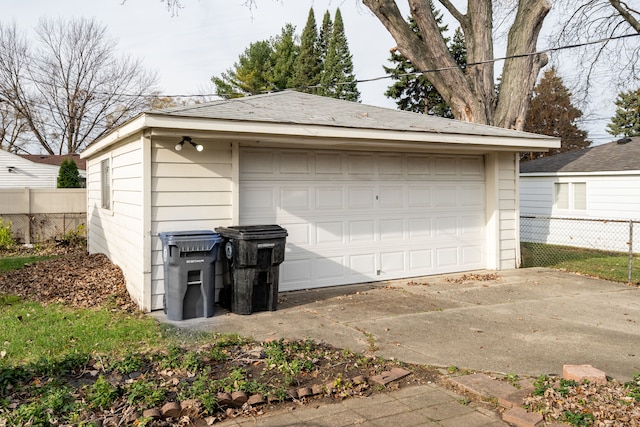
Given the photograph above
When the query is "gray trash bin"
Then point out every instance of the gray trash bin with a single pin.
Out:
(253, 256)
(189, 273)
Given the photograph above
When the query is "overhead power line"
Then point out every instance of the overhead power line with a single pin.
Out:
(419, 72)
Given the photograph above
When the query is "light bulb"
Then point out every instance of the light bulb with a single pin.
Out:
(178, 146)
(199, 147)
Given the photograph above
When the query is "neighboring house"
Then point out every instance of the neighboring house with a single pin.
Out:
(602, 182)
(365, 193)
(33, 170)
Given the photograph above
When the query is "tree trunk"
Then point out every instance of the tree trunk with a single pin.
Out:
(519, 74)
(471, 92)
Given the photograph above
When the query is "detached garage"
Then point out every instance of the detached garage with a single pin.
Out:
(365, 193)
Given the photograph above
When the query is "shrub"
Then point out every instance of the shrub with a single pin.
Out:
(6, 236)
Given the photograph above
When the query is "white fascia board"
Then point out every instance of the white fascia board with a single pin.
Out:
(262, 130)
(176, 126)
(123, 131)
(573, 174)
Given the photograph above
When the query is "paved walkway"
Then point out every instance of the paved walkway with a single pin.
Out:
(528, 322)
(428, 405)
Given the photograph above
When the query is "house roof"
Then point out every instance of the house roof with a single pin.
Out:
(620, 155)
(295, 118)
(55, 160)
(302, 108)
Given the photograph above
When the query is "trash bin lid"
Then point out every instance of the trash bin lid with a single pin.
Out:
(191, 241)
(252, 232)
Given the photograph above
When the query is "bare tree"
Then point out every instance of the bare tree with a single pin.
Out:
(72, 88)
(606, 21)
(471, 91)
(12, 129)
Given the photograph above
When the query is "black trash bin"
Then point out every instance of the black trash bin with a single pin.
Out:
(253, 256)
(189, 273)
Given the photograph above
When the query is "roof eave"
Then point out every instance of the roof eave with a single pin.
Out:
(171, 125)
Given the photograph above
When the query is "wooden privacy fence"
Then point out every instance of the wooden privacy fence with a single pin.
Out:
(38, 215)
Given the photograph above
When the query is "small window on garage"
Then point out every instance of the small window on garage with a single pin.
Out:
(562, 195)
(105, 184)
(571, 196)
(580, 196)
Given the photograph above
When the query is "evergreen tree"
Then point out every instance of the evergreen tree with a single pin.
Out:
(68, 175)
(324, 36)
(283, 58)
(250, 75)
(338, 80)
(412, 90)
(626, 121)
(308, 64)
(552, 113)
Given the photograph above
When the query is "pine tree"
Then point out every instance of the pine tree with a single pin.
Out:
(250, 75)
(626, 121)
(284, 56)
(338, 80)
(324, 36)
(412, 90)
(68, 175)
(308, 64)
(552, 113)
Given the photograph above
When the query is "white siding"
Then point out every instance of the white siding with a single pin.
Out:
(190, 190)
(16, 172)
(507, 209)
(118, 232)
(607, 197)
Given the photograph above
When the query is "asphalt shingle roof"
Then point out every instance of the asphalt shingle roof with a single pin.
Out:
(301, 108)
(613, 156)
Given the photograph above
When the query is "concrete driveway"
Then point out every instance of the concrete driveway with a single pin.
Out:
(527, 321)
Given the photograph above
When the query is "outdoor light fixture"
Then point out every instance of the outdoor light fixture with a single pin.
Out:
(179, 145)
(11, 169)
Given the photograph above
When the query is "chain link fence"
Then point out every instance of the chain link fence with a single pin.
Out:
(607, 248)
(41, 228)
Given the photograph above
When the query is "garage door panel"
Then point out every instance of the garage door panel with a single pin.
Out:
(330, 268)
(419, 197)
(257, 199)
(294, 163)
(391, 197)
(361, 198)
(392, 262)
(420, 260)
(392, 229)
(447, 257)
(472, 254)
(362, 231)
(419, 228)
(360, 164)
(390, 165)
(354, 217)
(445, 166)
(329, 198)
(295, 199)
(329, 232)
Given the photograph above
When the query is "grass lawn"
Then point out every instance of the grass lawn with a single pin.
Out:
(13, 263)
(606, 265)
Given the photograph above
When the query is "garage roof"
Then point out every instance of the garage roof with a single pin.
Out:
(299, 118)
(303, 108)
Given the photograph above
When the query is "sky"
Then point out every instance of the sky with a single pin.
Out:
(206, 37)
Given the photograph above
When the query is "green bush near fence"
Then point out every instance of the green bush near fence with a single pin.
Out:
(6, 236)
(603, 264)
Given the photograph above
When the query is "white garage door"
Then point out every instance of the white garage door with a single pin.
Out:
(354, 217)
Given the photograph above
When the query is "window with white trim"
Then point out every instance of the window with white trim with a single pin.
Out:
(105, 184)
(570, 196)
